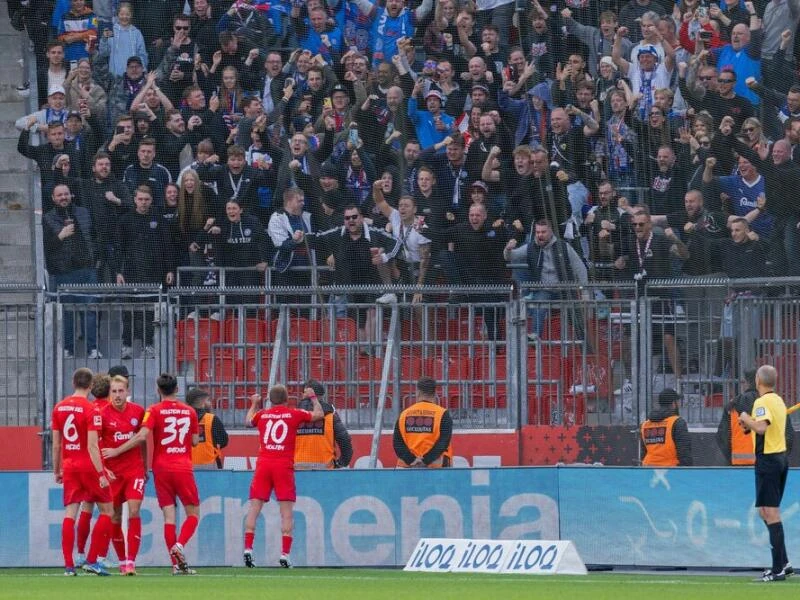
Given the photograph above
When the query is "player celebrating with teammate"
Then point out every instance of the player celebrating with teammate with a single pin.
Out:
(121, 421)
(78, 465)
(175, 432)
(277, 430)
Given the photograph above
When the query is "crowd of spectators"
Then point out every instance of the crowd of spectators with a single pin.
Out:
(263, 134)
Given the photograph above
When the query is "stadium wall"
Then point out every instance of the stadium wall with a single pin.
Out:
(615, 516)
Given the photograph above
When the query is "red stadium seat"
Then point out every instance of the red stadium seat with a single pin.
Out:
(193, 341)
(256, 331)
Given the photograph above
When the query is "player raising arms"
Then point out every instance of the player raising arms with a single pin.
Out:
(77, 463)
(174, 427)
(121, 421)
(277, 430)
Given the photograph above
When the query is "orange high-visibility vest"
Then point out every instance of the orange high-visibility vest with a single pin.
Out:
(420, 428)
(315, 445)
(657, 438)
(742, 451)
(206, 452)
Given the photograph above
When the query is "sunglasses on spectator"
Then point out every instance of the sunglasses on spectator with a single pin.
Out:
(704, 143)
(748, 129)
(350, 217)
(726, 80)
(181, 27)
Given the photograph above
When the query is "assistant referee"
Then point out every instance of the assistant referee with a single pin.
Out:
(767, 426)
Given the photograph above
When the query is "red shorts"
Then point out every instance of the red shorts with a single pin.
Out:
(127, 486)
(176, 484)
(273, 475)
(84, 486)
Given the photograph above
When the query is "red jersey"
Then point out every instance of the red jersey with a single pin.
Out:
(173, 424)
(277, 431)
(101, 403)
(74, 417)
(118, 427)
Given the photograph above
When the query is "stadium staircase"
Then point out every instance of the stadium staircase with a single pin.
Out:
(17, 176)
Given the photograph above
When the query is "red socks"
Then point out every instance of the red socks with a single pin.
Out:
(169, 537)
(118, 539)
(187, 529)
(100, 535)
(84, 524)
(249, 536)
(68, 541)
(286, 544)
(134, 537)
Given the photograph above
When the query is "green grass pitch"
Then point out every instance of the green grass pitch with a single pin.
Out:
(379, 584)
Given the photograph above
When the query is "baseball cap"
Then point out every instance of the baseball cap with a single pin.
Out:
(195, 394)
(73, 113)
(120, 370)
(668, 396)
(56, 89)
(300, 123)
(479, 86)
(647, 50)
(339, 88)
(607, 60)
(480, 185)
(134, 59)
(435, 93)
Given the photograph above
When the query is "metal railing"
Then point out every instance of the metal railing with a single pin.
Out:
(597, 359)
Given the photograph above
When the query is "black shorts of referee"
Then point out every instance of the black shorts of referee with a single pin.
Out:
(771, 471)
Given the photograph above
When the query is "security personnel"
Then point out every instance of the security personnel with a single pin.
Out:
(735, 443)
(768, 427)
(207, 454)
(315, 445)
(665, 435)
(423, 431)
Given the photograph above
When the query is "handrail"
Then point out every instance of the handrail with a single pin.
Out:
(387, 365)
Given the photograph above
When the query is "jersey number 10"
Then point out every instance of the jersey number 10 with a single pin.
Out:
(275, 432)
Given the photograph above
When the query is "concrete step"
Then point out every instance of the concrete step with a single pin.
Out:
(18, 274)
(18, 200)
(15, 229)
(9, 93)
(18, 255)
(12, 161)
(12, 182)
(16, 304)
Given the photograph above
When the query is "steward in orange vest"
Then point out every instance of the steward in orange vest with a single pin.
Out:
(734, 442)
(665, 435)
(213, 437)
(423, 431)
(315, 445)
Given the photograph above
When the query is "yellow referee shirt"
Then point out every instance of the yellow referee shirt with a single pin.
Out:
(770, 407)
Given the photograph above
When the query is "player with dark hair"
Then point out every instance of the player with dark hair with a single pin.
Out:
(78, 465)
(277, 431)
(175, 432)
(768, 427)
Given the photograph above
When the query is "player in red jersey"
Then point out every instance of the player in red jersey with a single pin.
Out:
(121, 421)
(175, 432)
(78, 465)
(277, 430)
(101, 384)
